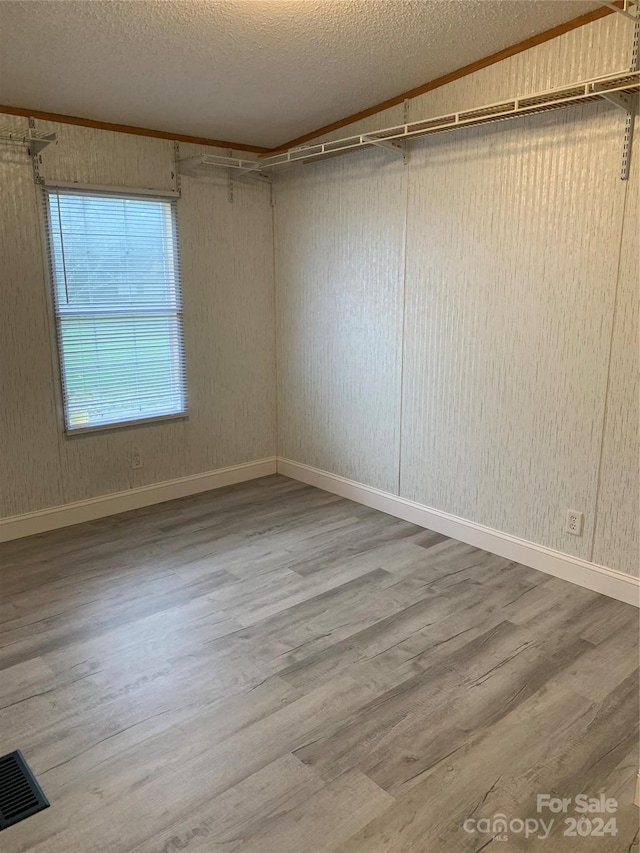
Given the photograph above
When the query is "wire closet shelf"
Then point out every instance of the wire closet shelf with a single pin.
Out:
(618, 88)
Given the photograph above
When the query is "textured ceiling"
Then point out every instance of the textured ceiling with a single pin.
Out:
(254, 71)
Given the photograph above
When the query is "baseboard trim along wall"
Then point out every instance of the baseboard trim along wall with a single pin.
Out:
(589, 575)
(597, 578)
(17, 526)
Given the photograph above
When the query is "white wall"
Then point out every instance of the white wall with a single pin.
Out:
(617, 510)
(339, 256)
(229, 307)
(496, 387)
(509, 308)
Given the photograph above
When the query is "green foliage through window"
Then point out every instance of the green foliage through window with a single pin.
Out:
(115, 271)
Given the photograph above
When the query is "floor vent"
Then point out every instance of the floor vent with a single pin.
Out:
(20, 794)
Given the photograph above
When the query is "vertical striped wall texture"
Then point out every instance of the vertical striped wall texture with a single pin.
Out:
(30, 473)
(229, 305)
(616, 534)
(339, 257)
(513, 242)
(602, 47)
(508, 366)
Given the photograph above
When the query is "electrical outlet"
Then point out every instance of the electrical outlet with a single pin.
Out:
(575, 521)
(136, 460)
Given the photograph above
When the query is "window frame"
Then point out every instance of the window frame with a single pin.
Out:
(49, 187)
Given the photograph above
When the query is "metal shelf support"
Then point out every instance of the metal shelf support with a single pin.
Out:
(35, 141)
(622, 101)
(399, 148)
(203, 166)
(627, 144)
(175, 174)
(625, 9)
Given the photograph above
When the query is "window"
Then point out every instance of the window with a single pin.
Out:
(116, 289)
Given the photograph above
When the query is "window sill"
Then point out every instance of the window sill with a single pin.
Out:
(71, 433)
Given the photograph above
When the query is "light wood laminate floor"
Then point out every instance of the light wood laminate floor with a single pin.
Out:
(272, 668)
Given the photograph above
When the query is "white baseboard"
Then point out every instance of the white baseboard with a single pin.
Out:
(589, 575)
(17, 526)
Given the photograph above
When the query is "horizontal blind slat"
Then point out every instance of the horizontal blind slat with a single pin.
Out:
(114, 264)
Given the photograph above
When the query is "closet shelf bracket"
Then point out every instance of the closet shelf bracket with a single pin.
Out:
(204, 166)
(632, 97)
(34, 140)
(619, 99)
(399, 148)
(625, 9)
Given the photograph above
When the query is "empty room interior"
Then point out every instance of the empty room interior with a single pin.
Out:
(319, 415)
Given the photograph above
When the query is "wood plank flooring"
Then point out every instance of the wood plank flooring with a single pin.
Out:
(269, 668)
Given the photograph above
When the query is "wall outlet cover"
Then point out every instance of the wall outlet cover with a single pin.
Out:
(575, 522)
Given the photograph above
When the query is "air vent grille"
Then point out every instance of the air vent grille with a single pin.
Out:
(20, 794)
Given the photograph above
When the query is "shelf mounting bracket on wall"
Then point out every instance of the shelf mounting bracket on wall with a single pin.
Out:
(204, 166)
(36, 141)
(633, 99)
(175, 174)
(627, 102)
(399, 148)
(619, 99)
(625, 9)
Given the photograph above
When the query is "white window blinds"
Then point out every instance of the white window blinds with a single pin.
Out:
(116, 289)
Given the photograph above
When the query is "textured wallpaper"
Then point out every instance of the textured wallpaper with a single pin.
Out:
(227, 254)
(512, 240)
(30, 472)
(512, 246)
(339, 264)
(602, 47)
(229, 304)
(617, 539)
